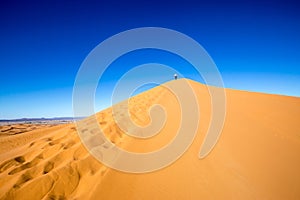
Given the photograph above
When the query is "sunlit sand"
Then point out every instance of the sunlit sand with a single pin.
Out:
(256, 157)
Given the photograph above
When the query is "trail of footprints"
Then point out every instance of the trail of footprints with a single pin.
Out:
(50, 157)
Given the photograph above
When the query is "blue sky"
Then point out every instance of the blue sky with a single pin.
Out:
(254, 44)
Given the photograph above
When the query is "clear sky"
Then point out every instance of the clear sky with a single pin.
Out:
(255, 45)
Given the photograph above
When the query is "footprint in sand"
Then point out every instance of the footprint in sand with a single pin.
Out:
(31, 144)
(23, 179)
(27, 165)
(68, 144)
(10, 163)
(48, 167)
(20, 159)
(54, 142)
(103, 123)
(54, 197)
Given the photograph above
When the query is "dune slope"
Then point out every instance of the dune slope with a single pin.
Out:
(257, 156)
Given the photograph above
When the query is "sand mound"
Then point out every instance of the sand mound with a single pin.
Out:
(13, 129)
(257, 156)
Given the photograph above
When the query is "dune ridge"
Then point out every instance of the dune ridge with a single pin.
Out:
(257, 156)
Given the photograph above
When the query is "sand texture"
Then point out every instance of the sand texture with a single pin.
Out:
(13, 129)
(256, 157)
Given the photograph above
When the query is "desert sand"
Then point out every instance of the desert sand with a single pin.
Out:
(13, 129)
(256, 157)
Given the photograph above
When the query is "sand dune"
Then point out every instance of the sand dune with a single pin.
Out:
(257, 156)
(13, 129)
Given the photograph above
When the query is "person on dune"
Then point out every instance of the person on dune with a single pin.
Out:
(175, 76)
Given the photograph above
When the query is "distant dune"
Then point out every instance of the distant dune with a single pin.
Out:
(257, 156)
(55, 120)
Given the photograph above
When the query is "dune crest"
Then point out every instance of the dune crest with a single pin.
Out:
(257, 156)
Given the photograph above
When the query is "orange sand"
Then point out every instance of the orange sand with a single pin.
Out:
(13, 129)
(257, 156)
